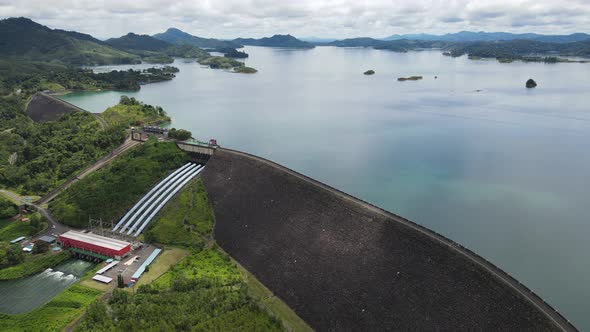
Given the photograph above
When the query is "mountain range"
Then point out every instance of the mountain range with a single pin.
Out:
(275, 41)
(23, 39)
(469, 36)
(178, 37)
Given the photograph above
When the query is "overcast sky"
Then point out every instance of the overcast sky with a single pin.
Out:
(304, 18)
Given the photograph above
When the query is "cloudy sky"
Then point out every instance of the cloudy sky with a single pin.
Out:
(304, 18)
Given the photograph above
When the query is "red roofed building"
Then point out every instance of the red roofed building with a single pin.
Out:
(95, 243)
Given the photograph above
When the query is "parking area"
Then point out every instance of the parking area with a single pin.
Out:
(130, 264)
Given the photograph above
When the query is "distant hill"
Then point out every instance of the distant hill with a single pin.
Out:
(402, 45)
(515, 49)
(133, 41)
(275, 41)
(178, 37)
(468, 36)
(357, 42)
(24, 39)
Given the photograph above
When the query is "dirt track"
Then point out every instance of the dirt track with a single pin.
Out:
(343, 264)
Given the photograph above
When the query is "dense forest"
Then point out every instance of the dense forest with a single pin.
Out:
(23, 39)
(518, 49)
(7, 208)
(108, 192)
(46, 154)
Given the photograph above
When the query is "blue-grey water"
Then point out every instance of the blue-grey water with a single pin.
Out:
(504, 171)
(23, 295)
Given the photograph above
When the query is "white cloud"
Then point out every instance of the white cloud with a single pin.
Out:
(322, 18)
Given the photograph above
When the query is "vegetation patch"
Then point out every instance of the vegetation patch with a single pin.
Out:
(163, 262)
(13, 228)
(245, 70)
(108, 192)
(185, 219)
(55, 315)
(33, 264)
(49, 153)
(220, 62)
(204, 292)
(132, 112)
(7, 209)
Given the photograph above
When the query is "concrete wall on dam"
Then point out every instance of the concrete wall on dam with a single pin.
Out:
(343, 265)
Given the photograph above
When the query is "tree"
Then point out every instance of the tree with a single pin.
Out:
(15, 255)
(179, 134)
(40, 247)
(120, 281)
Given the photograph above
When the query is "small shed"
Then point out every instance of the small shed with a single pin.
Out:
(17, 240)
(47, 238)
(102, 279)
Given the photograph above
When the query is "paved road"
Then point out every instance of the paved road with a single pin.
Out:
(560, 321)
(53, 227)
(128, 144)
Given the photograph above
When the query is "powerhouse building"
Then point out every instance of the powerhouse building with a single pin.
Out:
(94, 243)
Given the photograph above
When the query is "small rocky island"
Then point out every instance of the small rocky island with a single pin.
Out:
(531, 83)
(411, 78)
(369, 72)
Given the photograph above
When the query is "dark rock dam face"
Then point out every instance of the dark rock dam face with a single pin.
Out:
(343, 266)
(42, 108)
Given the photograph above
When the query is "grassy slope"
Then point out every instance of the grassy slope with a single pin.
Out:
(108, 192)
(11, 229)
(203, 292)
(34, 264)
(134, 115)
(185, 219)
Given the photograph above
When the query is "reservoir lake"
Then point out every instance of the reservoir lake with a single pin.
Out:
(471, 154)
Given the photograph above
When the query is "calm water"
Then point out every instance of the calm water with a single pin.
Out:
(24, 295)
(504, 171)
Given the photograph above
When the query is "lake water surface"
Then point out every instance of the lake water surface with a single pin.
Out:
(23, 295)
(504, 171)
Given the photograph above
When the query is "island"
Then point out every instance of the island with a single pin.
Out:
(411, 78)
(369, 72)
(531, 83)
(245, 70)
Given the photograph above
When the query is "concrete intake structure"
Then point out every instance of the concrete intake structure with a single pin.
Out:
(345, 265)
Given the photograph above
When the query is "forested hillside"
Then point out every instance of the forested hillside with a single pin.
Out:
(108, 192)
(23, 39)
